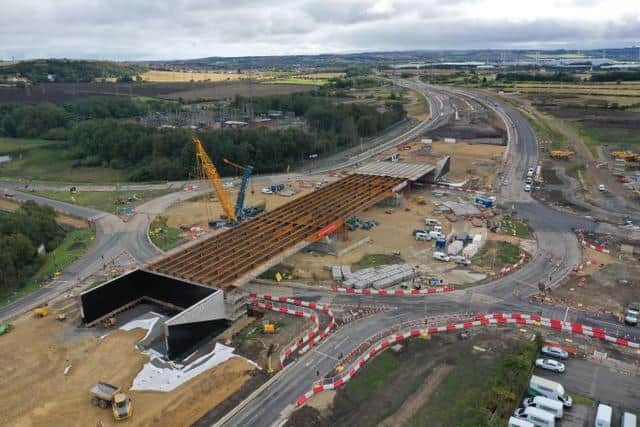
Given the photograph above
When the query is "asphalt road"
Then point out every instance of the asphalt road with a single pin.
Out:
(558, 251)
(598, 382)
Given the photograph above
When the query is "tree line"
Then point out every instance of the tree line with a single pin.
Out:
(66, 70)
(159, 154)
(21, 233)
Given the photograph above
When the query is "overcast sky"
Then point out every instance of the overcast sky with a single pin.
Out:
(161, 29)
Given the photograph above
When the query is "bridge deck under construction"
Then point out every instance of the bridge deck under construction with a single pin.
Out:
(224, 259)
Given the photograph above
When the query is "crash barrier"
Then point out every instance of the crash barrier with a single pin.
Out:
(447, 288)
(597, 248)
(506, 270)
(311, 338)
(453, 188)
(583, 265)
(480, 320)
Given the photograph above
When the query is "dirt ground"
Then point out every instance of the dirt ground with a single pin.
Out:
(195, 213)
(35, 392)
(608, 286)
(252, 343)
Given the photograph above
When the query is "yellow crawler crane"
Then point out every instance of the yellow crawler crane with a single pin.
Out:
(205, 164)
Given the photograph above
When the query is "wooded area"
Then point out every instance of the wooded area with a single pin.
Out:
(65, 70)
(96, 136)
(21, 233)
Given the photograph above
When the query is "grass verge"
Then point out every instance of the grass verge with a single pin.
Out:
(107, 201)
(480, 391)
(514, 227)
(164, 236)
(497, 254)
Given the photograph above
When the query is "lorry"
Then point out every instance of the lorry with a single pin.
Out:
(105, 395)
(553, 406)
(603, 416)
(539, 386)
(537, 417)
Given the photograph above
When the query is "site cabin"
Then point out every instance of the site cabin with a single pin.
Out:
(484, 201)
(628, 420)
(539, 386)
(603, 416)
(555, 407)
(537, 417)
(518, 422)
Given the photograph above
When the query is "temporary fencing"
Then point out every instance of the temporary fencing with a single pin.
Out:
(480, 320)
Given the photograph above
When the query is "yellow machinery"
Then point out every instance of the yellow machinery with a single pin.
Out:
(206, 165)
(269, 328)
(562, 154)
(41, 311)
(629, 156)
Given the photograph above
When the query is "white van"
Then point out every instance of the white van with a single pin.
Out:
(539, 386)
(431, 222)
(554, 406)
(441, 256)
(437, 228)
(517, 422)
(423, 236)
(437, 235)
(603, 416)
(628, 420)
(538, 417)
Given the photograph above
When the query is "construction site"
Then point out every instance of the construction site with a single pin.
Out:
(192, 301)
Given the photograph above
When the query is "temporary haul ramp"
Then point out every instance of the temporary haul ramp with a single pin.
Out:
(239, 254)
(202, 307)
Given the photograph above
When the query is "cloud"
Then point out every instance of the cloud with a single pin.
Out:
(163, 29)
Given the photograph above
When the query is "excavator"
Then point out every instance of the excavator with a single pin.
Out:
(561, 154)
(233, 214)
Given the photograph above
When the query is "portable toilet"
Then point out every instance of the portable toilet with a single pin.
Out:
(440, 244)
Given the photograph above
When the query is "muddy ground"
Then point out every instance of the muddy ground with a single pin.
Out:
(34, 391)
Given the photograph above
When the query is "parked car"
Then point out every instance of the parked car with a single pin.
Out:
(459, 259)
(556, 352)
(423, 236)
(530, 172)
(527, 187)
(418, 230)
(441, 256)
(431, 222)
(267, 191)
(601, 187)
(632, 314)
(550, 365)
(529, 180)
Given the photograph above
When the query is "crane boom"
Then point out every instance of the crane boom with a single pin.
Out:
(212, 173)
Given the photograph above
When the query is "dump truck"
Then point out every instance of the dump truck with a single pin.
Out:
(105, 395)
(41, 311)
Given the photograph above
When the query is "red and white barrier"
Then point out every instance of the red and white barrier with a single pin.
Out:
(453, 188)
(401, 292)
(311, 338)
(480, 320)
(597, 248)
(506, 270)
(585, 264)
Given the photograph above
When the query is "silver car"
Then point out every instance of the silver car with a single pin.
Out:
(556, 352)
(550, 365)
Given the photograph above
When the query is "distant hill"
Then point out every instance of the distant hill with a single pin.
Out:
(385, 58)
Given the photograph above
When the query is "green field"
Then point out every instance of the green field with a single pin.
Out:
(72, 247)
(18, 145)
(164, 236)
(103, 200)
(611, 136)
(49, 164)
(546, 132)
